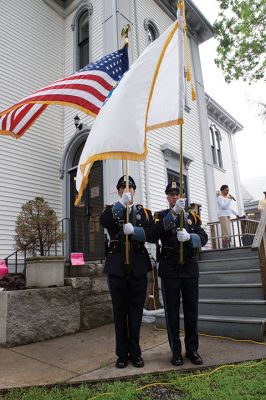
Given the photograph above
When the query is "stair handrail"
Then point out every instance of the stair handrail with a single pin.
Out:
(259, 244)
(15, 253)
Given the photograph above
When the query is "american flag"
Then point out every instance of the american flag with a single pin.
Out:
(86, 90)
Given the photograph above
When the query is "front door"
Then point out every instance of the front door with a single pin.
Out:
(87, 235)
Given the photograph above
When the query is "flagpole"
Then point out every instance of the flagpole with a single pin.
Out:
(181, 248)
(124, 34)
(181, 6)
(127, 214)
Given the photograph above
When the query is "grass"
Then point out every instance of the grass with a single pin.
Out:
(246, 381)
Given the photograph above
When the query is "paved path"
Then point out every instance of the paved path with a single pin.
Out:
(89, 356)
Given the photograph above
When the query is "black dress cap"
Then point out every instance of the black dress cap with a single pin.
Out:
(122, 182)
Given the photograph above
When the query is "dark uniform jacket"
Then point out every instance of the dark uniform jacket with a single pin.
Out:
(142, 221)
(165, 229)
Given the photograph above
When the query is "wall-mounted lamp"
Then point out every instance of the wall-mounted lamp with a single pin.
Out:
(77, 124)
(76, 121)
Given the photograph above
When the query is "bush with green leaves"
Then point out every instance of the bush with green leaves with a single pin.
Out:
(37, 229)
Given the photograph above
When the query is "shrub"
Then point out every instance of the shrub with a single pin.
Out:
(37, 228)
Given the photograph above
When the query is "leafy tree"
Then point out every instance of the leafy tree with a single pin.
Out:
(241, 32)
(37, 227)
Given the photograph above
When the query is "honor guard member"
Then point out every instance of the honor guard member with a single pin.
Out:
(179, 278)
(127, 282)
(194, 215)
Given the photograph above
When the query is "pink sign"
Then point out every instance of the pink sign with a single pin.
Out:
(77, 258)
(3, 269)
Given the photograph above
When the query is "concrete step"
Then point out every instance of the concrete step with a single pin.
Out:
(235, 252)
(231, 291)
(234, 308)
(234, 327)
(229, 264)
(240, 276)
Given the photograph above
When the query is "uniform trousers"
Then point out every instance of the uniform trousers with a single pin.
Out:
(128, 296)
(171, 289)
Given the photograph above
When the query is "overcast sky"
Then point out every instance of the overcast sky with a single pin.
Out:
(238, 99)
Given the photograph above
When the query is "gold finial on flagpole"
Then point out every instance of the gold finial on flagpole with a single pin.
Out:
(124, 33)
(181, 5)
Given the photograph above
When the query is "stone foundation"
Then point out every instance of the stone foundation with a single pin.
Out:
(32, 315)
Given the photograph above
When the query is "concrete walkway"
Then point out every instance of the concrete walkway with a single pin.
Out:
(89, 356)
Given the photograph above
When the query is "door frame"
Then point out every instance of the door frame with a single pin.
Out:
(76, 140)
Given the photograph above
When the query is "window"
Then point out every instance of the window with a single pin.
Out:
(81, 30)
(152, 30)
(83, 39)
(173, 175)
(215, 139)
(151, 34)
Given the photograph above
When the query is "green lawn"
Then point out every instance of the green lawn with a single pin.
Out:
(245, 381)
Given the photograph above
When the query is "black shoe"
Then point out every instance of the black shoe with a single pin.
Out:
(177, 360)
(137, 362)
(194, 357)
(121, 363)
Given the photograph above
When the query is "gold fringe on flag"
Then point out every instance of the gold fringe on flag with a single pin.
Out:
(188, 73)
(193, 92)
(181, 5)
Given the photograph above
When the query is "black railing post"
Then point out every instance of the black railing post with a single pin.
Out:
(55, 242)
(218, 237)
(233, 229)
(239, 234)
(62, 241)
(16, 262)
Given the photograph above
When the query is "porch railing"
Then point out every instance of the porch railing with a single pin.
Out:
(259, 244)
(243, 231)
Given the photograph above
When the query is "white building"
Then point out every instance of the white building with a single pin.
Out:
(44, 40)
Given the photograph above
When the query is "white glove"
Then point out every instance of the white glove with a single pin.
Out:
(183, 236)
(126, 198)
(179, 205)
(128, 229)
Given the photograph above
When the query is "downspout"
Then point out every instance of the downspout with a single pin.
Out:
(236, 177)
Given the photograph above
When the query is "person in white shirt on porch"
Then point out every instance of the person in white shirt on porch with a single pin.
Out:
(262, 203)
(225, 211)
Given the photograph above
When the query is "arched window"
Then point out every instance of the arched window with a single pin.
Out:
(151, 29)
(81, 29)
(215, 139)
(83, 40)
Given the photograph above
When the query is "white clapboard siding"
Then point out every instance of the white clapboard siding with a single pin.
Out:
(31, 48)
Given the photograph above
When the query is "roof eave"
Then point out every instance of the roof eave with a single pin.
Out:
(199, 27)
(220, 115)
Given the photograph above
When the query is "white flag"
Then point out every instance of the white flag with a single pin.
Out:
(149, 96)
